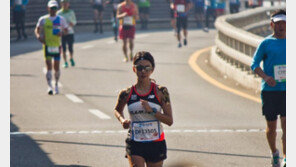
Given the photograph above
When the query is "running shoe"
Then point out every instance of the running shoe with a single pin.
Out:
(185, 42)
(125, 59)
(72, 62)
(66, 65)
(49, 91)
(275, 159)
(284, 163)
(179, 45)
(56, 89)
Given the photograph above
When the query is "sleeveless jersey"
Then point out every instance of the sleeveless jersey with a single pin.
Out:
(129, 19)
(51, 28)
(144, 126)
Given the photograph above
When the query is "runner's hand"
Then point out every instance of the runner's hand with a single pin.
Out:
(126, 124)
(146, 105)
(270, 81)
(41, 39)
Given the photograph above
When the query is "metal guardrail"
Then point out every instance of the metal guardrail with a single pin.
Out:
(236, 40)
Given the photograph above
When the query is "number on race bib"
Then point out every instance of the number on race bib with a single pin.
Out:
(128, 20)
(145, 131)
(280, 73)
(53, 50)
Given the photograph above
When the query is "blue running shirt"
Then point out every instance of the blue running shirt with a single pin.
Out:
(272, 52)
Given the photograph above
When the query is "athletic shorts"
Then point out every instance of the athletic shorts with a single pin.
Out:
(181, 23)
(150, 151)
(144, 10)
(199, 10)
(49, 56)
(68, 39)
(273, 104)
(127, 32)
(100, 8)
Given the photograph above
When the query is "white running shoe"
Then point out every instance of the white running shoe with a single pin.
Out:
(56, 90)
(49, 91)
(275, 159)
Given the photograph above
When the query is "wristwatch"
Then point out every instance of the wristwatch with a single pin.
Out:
(154, 111)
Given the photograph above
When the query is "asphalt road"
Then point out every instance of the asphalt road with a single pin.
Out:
(212, 127)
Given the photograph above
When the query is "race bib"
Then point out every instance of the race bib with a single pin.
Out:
(180, 8)
(128, 20)
(145, 131)
(280, 73)
(53, 49)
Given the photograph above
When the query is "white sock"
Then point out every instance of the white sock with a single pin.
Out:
(57, 76)
(48, 77)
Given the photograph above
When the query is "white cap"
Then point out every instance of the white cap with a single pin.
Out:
(52, 3)
(280, 17)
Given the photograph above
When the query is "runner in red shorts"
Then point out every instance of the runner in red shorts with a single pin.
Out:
(127, 13)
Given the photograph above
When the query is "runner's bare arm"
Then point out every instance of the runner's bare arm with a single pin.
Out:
(167, 116)
(121, 102)
(119, 13)
(38, 34)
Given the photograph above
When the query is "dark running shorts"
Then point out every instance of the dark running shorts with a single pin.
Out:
(150, 151)
(181, 23)
(172, 13)
(273, 104)
(49, 56)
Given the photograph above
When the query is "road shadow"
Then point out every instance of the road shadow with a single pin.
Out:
(169, 149)
(25, 151)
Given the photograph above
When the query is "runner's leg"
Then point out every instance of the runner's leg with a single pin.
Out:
(271, 134)
(131, 47)
(136, 161)
(101, 21)
(124, 49)
(283, 123)
(56, 66)
(96, 13)
(155, 164)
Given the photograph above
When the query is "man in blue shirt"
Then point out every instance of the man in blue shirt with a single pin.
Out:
(272, 51)
(19, 10)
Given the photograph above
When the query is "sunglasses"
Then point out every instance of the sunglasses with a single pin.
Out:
(53, 8)
(146, 68)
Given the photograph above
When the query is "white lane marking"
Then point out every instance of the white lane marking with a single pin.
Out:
(99, 114)
(110, 42)
(87, 46)
(74, 98)
(142, 36)
(125, 131)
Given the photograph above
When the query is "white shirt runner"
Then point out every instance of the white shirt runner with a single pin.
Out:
(145, 131)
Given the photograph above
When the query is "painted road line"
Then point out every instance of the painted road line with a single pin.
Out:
(74, 98)
(200, 72)
(87, 46)
(99, 114)
(126, 131)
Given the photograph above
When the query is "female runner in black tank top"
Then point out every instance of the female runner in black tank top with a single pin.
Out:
(151, 98)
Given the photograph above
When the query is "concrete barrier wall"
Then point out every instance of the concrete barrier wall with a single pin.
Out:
(238, 36)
